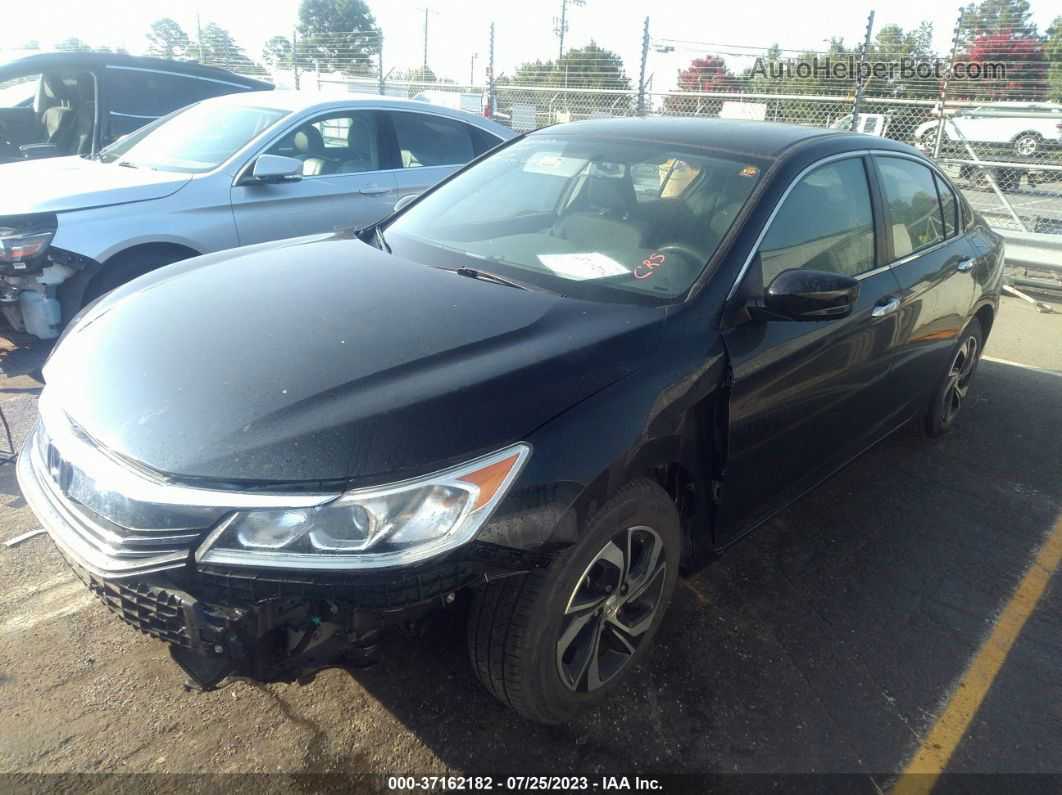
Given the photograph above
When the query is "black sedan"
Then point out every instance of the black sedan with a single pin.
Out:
(585, 363)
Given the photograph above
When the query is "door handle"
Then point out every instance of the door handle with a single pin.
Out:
(372, 190)
(964, 265)
(886, 307)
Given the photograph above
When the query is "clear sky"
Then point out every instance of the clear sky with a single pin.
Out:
(524, 30)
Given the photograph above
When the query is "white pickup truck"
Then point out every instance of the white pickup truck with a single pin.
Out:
(1028, 128)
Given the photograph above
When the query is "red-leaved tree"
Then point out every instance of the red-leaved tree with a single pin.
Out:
(1023, 59)
(705, 75)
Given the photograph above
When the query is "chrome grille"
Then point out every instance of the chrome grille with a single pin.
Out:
(115, 519)
(102, 546)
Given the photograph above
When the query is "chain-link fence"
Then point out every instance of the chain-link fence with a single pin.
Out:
(983, 109)
(990, 109)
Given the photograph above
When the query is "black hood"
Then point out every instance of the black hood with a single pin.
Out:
(330, 360)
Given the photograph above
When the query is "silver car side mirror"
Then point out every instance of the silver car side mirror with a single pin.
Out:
(276, 168)
(404, 201)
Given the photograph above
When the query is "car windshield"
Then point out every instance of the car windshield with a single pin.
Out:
(199, 138)
(601, 218)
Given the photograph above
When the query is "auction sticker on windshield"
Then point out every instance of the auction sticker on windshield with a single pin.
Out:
(582, 266)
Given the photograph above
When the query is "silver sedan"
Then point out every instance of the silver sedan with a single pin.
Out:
(225, 172)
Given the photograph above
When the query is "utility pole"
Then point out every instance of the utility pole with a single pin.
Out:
(489, 110)
(199, 38)
(472, 70)
(561, 27)
(424, 67)
(944, 85)
(295, 56)
(862, 68)
(641, 71)
(383, 84)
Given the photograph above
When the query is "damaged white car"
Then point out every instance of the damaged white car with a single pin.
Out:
(225, 172)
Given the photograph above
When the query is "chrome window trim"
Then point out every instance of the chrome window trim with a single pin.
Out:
(778, 206)
(921, 252)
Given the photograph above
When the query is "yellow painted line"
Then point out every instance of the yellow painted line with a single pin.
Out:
(932, 757)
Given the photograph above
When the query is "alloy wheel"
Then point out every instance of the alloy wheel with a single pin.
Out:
(1026, 146)
(959, 377)
(611, 609)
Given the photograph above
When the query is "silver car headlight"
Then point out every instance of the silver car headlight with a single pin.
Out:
(373, 527)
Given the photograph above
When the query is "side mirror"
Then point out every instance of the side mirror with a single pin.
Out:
(404, 201)
(276, 168)
(807, 295)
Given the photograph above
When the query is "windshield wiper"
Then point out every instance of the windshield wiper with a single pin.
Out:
(380, 242)
(472, 273)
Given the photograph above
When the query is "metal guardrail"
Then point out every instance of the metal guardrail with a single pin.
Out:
(1033, 250)
(1034, 262)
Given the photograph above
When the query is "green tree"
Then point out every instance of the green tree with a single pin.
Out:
(277, 52)
(893, 45)
(218, 46)
(340, 35)
(995, 16)
(166, 39)
(32, 44)
(1053, 56)
(589, 67)
(422, 74)
(73, 44)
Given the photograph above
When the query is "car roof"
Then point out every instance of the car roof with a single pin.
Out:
(756, 138)
(310, 100)
(47, 61)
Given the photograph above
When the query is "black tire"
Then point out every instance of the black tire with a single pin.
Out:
(517, 624)
(950, 396)
(1027, 144)
(1008, 179)
(125, 267)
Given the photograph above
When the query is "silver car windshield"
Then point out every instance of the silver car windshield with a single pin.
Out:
(197, 139)
(595, 217)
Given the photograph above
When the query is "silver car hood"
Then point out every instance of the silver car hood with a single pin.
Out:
(73, 183)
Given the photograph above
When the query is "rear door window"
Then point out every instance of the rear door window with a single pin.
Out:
(913, 205)
(482, 141)
(949, 207)
(425, 140)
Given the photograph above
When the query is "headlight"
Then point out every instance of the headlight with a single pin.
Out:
(24, 237)
(373, 527)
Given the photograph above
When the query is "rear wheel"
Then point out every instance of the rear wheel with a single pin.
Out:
(552, 641)
(1027, 144)
(950, 396)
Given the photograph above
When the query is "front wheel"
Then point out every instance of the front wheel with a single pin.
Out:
(554, 640)
(950, 395)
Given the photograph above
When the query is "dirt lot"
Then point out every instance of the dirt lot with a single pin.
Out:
(828, 641)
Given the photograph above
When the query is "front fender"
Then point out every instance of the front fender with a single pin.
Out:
(658, 420)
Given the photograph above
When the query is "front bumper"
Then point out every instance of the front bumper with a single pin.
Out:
(268, 625)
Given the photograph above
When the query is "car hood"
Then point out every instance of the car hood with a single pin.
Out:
(317, 361)
(59, 184)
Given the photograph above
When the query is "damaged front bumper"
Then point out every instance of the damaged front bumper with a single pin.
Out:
(267, 625)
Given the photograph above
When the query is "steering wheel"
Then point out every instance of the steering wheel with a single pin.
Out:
(696, 257)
